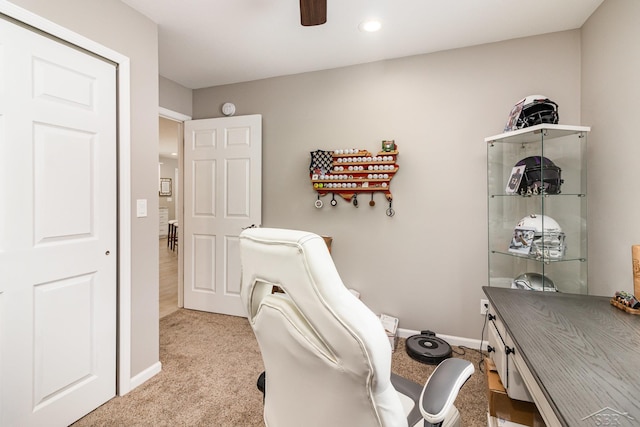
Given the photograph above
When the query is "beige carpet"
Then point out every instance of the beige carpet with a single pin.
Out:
(210, 364)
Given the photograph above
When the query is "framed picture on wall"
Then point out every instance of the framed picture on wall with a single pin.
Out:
(165, 186)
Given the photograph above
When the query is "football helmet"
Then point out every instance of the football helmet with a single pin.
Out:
(548, 239)
(541, 176)
(530, 111)
(534, 282)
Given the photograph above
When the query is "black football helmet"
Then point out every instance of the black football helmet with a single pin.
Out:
(541, 175)
(532, 110)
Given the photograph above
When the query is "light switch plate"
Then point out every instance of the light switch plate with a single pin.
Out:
(141, 208)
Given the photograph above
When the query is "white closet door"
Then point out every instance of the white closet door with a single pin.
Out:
(57, 230)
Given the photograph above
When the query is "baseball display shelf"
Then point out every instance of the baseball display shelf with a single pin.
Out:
(349, 172)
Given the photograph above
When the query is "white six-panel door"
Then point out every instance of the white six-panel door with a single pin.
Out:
(222, 195)
(57, 230)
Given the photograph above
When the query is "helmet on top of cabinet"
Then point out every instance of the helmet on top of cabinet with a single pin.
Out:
(530, 111)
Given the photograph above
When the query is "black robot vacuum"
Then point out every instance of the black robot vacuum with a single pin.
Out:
(427, 348)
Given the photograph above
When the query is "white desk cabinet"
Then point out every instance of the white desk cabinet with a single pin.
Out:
(164, 222)
(502, 353)
(576, 354)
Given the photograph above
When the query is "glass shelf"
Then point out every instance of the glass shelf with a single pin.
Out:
(539, 259)
(565, 146)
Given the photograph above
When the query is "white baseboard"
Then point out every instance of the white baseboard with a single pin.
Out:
(459, 341)
(146, 375)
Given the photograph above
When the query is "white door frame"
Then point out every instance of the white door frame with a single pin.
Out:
(124, 384)
(179, 117)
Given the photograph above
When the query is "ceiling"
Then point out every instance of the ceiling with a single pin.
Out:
(205, 43)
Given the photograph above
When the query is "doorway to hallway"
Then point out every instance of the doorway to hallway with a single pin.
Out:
(170, 137)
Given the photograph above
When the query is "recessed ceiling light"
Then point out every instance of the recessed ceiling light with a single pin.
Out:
(370, 25)
(174, 154)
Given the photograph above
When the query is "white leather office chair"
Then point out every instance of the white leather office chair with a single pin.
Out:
(327, 358)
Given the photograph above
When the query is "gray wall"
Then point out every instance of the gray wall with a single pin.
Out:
(175, 97)
(427, 264)
(610, 94)
(118, 27)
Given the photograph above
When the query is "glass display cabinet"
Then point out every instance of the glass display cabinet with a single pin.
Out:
(537, 208)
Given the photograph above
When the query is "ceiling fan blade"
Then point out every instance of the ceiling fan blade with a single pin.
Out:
(313, 12)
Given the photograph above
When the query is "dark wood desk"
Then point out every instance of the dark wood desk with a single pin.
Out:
(579, 356)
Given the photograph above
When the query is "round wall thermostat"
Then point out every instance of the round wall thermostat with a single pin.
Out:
(228, 109)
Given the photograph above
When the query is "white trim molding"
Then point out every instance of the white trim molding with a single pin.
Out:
(146, 375)
(173, 115)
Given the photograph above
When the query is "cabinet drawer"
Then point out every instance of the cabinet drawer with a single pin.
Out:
(500, 341)
(498, 354)
(496, 321)
(516, 389)
(163, 219)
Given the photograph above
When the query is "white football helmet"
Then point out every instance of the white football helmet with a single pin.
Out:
(548, 240)
(534, 282)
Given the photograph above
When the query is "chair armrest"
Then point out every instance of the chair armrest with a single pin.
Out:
(442, 388)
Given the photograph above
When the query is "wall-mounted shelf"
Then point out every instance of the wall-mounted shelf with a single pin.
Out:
(353, 171)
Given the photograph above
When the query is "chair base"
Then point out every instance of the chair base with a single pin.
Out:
(410, 395)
